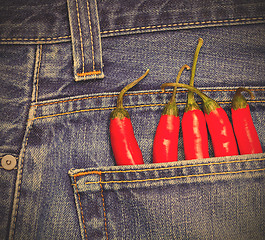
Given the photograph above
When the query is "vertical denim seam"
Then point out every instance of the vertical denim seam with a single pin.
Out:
(81, 208)
(91, 36)
(103, 205)
(37, 77)
(80, 35)
(30, 121)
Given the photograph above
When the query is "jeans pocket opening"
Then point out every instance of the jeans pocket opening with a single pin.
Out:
(137, 202)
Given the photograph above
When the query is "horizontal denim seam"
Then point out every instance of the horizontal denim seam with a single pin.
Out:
(198, 23)
(83, 74)
(141, 93)
(177, 177)
(154, 27)
(166, 168)
(42, 39)
(126, 107)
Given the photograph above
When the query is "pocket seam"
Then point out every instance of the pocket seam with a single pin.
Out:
(165, 168)
(104, 209)
(176, 177)
(81, 208)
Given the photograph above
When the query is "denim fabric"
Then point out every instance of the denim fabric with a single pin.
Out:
(85, 34)
(66, 184)
(198, 199)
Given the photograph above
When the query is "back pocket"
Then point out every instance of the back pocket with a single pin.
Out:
(215, 198)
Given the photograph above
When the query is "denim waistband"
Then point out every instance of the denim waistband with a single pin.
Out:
(43, 22)
(84, 22)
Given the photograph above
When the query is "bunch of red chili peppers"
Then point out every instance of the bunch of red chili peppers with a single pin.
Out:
(226, 138)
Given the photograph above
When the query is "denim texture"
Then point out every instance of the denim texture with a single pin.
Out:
(85, 35)
(55, 105)
(198, 199)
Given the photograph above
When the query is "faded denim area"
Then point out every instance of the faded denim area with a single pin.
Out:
(62, 66)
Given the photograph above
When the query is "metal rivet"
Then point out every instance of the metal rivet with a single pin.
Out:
(8, 162)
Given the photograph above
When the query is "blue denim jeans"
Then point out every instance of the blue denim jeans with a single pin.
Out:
(63, 64)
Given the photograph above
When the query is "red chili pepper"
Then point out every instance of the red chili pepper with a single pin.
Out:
(124, 144)
(220, 128)
(245, 131)
(165, 146)
(195, 136)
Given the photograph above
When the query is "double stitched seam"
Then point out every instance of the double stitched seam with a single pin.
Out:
(178, 177)
(35, 39)
(139, 28)
(126, 107)
(81, 208)
(168, 168)
(103, 202)
(93, 72)
(103, 205)
(141, 93)
(162, 26)
(91, 36)
(35, 96)
(37, 78)
(80, 37)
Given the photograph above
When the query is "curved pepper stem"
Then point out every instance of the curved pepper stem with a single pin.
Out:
(209, 104)
(119, 111)
(239, 100)
(173, 98)
(126, 88)
(171, 107)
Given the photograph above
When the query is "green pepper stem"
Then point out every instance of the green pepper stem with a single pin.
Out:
(209, 104)
(195, 59)
(190, 88)
(126, 88)
(193, 70)
(239, 101)
(173, 98)
(242, 89)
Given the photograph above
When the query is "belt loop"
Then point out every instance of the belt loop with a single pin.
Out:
(86, 39)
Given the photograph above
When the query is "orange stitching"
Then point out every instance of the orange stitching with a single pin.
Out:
(182, 24)
(104, 209)
(96, 97)
(76, 99)
(179, 177)
(141, 93)
(89, 73)
(133, 29)
(85, 173)
(34, 39)
(79, 111)
(80, 35)
(91, 38)
(178, 167)
(82, 213)
(128, 107)
(139, 28)
(100, 109)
